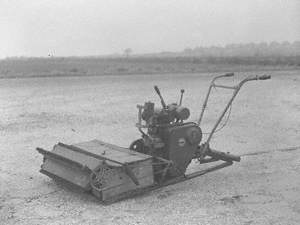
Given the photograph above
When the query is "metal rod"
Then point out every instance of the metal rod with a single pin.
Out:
(203, 161)
(223, 114)
(140, 107)
(223, 86)
(223, 156)
(238, 87)
(208, 93)
(204, 105)
(202, 172)
(161, 98)
(181, 96)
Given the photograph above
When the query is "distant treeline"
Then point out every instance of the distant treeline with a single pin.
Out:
(273, 49)
(54, 67)
(231, 58)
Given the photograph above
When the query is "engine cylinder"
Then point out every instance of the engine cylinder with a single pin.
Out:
(182, 113)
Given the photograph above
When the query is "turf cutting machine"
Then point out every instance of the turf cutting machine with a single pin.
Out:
(159, 158)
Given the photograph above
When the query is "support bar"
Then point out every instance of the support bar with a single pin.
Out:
(223, 156)
(235, 92)
(208, 93)
(223, 86)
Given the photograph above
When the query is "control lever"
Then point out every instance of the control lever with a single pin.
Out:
(161, 98)
(181, 96)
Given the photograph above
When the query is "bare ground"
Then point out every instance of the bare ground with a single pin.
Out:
(264, 188)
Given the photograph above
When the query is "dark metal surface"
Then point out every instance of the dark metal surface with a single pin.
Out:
(178, 146)
(223, 156)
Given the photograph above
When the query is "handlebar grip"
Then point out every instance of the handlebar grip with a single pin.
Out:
(157, 90)
(229, 74)
(264, 77)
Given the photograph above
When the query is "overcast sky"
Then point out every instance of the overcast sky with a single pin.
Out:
(96, 27)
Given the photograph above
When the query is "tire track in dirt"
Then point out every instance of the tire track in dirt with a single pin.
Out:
(272, 150)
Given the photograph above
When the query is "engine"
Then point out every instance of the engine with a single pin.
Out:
(166, 135)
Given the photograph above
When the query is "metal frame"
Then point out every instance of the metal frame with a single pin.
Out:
(141, 191)
(235, 92)
(204, 153)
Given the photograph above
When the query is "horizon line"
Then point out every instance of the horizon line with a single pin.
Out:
(121, 54)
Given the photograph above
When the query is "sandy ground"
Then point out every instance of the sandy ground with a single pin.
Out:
(263, 188)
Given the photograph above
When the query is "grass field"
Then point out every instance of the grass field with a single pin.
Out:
(97, 66)
(261, 189)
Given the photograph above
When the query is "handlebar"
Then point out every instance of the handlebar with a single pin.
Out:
(228, 75)
(264, 77)
(220, 76)
(236, 89)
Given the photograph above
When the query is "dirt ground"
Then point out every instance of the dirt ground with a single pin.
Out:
(264, 188)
